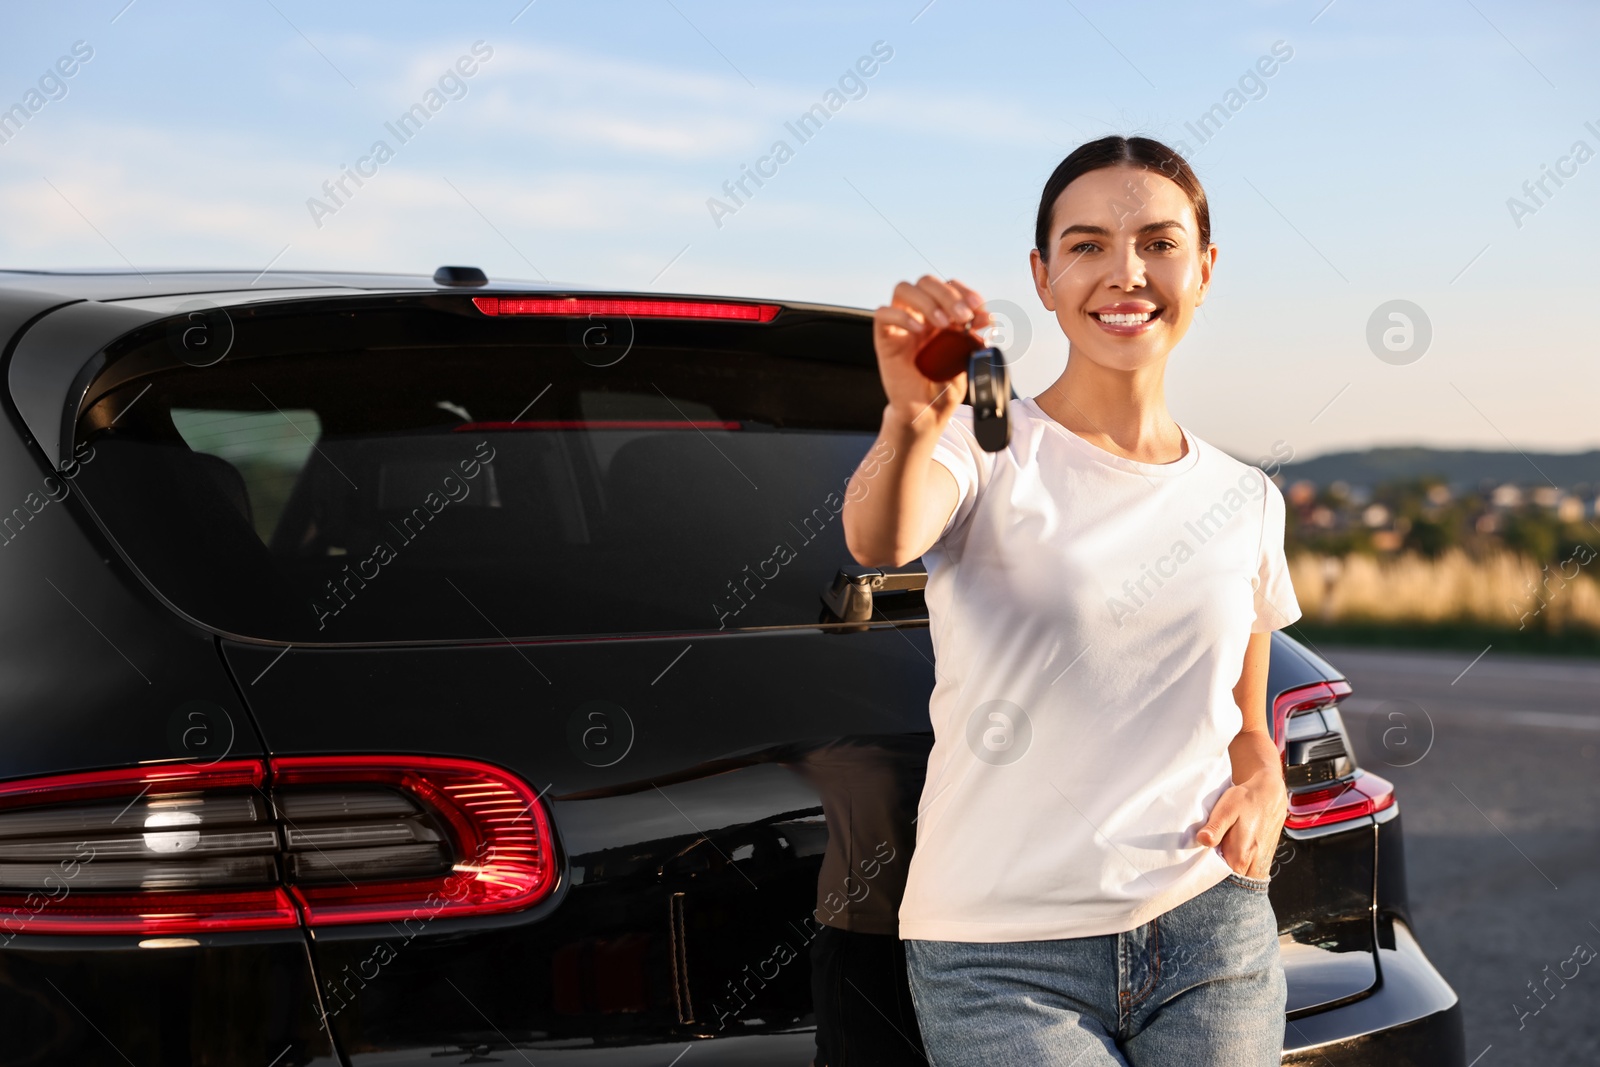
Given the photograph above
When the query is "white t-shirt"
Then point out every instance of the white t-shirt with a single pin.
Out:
(1089, 617)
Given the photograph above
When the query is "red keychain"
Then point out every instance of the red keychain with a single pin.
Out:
(960, 348)
(945, 354)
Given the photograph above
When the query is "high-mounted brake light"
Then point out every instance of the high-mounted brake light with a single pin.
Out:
(244, 845)
(645, 309)
(600, 424)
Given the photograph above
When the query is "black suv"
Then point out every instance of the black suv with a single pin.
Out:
(420, 671)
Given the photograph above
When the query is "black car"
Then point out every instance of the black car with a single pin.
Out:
(420, 671)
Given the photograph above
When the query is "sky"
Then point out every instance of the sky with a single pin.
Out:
(1383, 159)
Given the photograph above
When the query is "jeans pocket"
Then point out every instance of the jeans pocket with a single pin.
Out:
(1244, 881)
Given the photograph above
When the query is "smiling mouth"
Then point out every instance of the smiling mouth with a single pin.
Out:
(1127, 318)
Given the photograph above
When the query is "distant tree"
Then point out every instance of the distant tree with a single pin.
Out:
(1579, 543)
(1430, 537)
(1534, 534)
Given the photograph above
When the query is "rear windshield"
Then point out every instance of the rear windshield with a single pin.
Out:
(414, 470)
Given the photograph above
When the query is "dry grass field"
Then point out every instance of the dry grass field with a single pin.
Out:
(1501, 591)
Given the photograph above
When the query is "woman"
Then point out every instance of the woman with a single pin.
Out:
(1103, 796)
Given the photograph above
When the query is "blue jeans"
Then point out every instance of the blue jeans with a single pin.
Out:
(1200, 986)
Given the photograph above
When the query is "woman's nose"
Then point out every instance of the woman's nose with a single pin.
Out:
(1127, 271)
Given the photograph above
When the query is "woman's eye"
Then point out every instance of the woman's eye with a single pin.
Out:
(1080, 249)
(1163, 245)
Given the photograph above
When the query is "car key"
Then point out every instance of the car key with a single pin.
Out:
(953, 349)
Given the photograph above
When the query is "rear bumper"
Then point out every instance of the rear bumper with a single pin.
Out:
(204, 1004)
(1412, 1018)
(1432, 1041)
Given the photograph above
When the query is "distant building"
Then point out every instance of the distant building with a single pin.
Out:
(1506, 496)
(1547, 496)
(1570, 509)
(1375, 515)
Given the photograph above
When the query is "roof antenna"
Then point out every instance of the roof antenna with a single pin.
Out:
(460, 276)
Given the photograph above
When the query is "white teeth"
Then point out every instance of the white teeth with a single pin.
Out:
(1125, 320)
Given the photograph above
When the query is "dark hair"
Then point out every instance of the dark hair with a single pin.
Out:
(1121, 152)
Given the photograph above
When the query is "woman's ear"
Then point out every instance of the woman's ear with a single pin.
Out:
(1208, 260)
(1041, 279)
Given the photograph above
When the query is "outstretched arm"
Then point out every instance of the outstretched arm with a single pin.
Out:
(895, 506)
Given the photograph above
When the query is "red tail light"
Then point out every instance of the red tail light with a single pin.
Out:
(1315, 748)
(148, 850)
(500, 838)
(646, 309)
(152, 914)
(1365, 794)
(241, 845)
(1303, 698)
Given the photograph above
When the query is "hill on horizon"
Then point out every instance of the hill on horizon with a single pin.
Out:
(1464, 469)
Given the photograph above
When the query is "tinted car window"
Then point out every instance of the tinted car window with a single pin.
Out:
(411, 472)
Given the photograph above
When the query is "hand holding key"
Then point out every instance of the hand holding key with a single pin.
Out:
(934, 319)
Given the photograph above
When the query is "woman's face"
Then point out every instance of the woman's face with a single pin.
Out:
(1126, 269)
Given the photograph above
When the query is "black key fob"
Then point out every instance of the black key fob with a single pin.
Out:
(989, 393)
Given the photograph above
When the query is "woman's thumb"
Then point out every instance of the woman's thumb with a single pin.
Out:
(1211, 833)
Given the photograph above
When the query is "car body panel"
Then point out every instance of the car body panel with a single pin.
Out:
(1412, 1017)
(97, 673)
(704, 834)
(214, 1000)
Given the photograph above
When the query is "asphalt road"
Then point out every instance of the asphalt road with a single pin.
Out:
(1497, 767)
